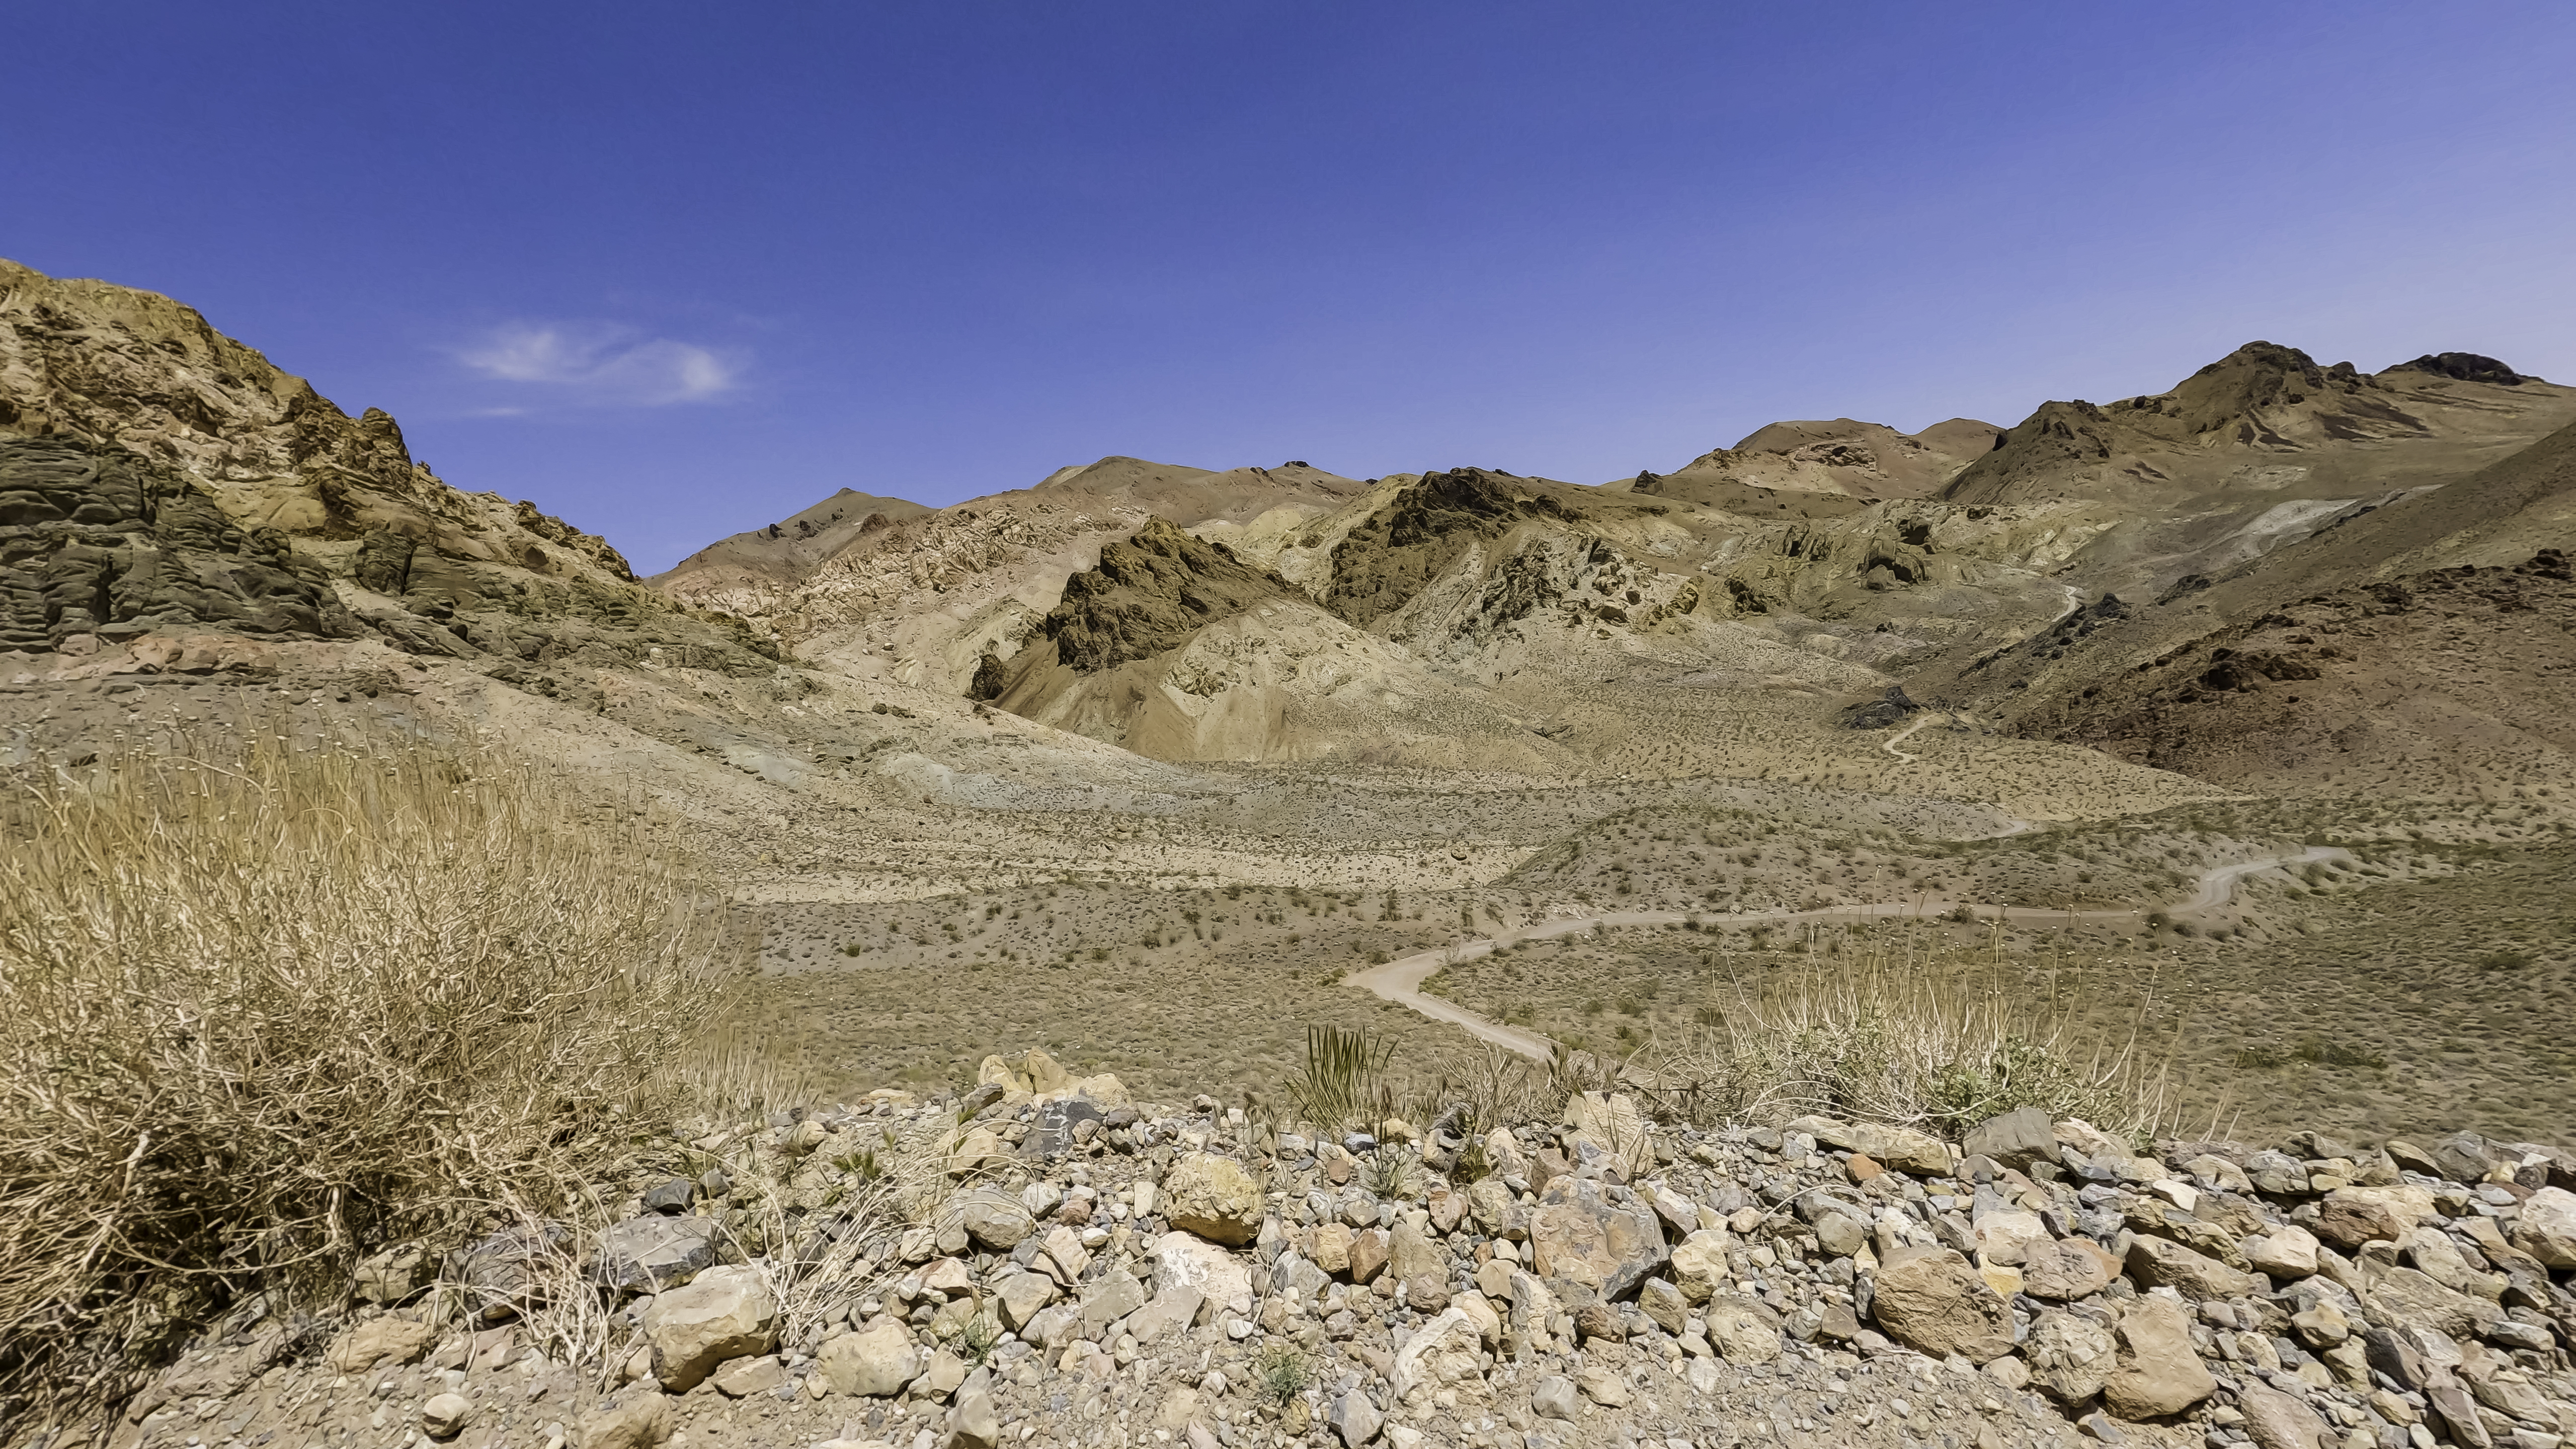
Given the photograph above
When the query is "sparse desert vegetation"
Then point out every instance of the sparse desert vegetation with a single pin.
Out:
(912, 975)
(272, 999)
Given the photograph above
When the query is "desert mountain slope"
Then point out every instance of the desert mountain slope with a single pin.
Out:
(922, 598)
(189, 535)
(1843, 456)
(2268, 419)
(2455, 683)
(1174, 647)
(2431, 704)
(789, 548)
(156, 475)
(164, 483)
(1814, 564)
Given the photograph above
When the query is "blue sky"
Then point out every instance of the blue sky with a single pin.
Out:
(674, 271)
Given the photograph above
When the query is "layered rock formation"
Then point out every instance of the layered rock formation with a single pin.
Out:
(156, 475)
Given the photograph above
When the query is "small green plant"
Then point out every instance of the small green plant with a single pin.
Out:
(2504, 961)
(2260, 1058)
(1387, 1174)
(1282, 1373)
(1473, 1164)
(852, 948)
(976, 1342)
(861, 1164)
(1345, 1079)
(2320, 1052)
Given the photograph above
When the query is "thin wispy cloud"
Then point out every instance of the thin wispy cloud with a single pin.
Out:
(603, 364)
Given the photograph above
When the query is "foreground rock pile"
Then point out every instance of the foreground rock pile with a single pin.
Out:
(1085, 1271)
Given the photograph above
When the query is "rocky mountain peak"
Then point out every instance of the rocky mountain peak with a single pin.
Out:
(1149, 593)
(2238, 389)
(158, 475)
(2465, 367)
(1382, 561)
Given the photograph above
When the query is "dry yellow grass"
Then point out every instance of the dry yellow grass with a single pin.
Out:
(1937, 1038)
(267, 1002)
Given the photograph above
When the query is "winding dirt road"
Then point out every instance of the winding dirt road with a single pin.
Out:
(1400, 980)
(1892, 741)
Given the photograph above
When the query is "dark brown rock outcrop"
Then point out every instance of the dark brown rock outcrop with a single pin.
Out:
(1149, 594)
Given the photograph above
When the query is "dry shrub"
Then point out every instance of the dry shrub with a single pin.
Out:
(734, 1071)
(1941, 1040)
(267, 1003)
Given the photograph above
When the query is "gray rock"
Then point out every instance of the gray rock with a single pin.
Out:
(445, 1415)
(1111, 1298)
(2455, 1410)
(672, 1196)
(1935, 1303)
(1048, 1325)
(494, 1273)
(877, 1360)
(2158, 1373)
(2511, 1333)
(2390, 1353)
(1553, 1397)
(2463, 1157)
(1839, 1235)
(2277, 1421)
(2071, 1355)
(1354, 1418)
(2016, 1139)
(1168, 1315)
(723, 1313)
(994, 1220)
(2277, 1174)
(1580, 1233)
(974, 1424)
(1052, 1135)
(649, 1254)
